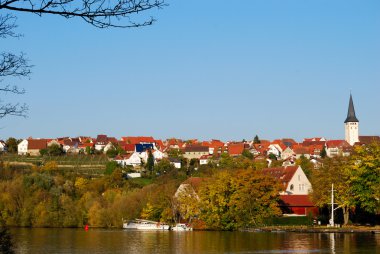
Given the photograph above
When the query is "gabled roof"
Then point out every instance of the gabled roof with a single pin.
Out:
(235, 149)
(283, 174)
(351, 117)
(37, 144)
(102, 138)
(337, 143)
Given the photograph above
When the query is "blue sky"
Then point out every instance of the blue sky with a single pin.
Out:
(205, 70)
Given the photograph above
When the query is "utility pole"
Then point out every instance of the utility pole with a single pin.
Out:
(332, 206)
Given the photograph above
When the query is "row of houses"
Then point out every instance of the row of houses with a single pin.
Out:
(136, 147)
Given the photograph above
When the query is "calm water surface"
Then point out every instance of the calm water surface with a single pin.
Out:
(97, 241)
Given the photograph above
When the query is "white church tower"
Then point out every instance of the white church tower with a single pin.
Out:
(351, 124)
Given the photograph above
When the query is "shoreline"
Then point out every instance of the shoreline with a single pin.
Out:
(304, 229)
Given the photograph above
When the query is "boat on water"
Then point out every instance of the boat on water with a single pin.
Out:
(145, 225)
(181, 227)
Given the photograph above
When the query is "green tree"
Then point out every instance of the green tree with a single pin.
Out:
(305, 164)
(256, 140)
(323, 153)
(52, 150)
(150, 162)
(12, 145)
(110, 167)
(164, 166)
(364, 178)
(247, 154)
(334, 171)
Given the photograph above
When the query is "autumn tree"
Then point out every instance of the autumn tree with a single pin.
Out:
(364, 178)
(187, 203)
(12, 145)
(334, 171)
(239, 199)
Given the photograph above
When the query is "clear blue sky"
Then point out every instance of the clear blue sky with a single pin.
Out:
(206, 69)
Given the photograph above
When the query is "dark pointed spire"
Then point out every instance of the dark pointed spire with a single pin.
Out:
(351, 117)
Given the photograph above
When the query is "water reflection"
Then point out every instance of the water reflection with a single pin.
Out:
(98, 241)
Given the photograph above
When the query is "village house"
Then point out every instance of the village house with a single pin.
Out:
(31, 146)
(3, 146)
(195, 152)
(296, 188)
(235, 149)
(293, 180)
(337, 148)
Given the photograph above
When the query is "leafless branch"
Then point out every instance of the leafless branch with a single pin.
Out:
(7, 26)
(13, 65)
(99, 13)
(13, 110)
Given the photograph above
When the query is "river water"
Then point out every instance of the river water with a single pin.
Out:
(97, 241)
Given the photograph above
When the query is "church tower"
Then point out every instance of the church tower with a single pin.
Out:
(351, 124)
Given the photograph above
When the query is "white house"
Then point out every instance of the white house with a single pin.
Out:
(3, 146)
(287, 153)
(204, 159)
(22, 147)
(293, 179)
(133, 160)
(275, 150)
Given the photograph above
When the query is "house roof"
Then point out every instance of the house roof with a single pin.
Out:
(296, 200)
(196, 149)
(37, 143)
(102, 138)
(235, 149)
(138, 140)
(282, 174)
(336, 143)
(369, 139)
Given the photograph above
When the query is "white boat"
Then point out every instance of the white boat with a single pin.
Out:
(181, 227)
(145, 225)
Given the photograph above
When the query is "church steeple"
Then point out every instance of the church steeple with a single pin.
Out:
(351, 117)
(351, 124)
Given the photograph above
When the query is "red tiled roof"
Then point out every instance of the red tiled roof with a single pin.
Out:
(283, 174)
(83, 145)
(138, 140)
(337, 143)
(196, 149)
(37, 144)
(296, 200)
(235, 149)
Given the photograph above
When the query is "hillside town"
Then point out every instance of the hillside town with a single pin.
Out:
(288, 162)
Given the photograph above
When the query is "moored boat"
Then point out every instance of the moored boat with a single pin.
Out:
(145, 225)
(181, 227)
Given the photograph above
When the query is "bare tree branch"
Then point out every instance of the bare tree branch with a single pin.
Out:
(13, 110)
(13, 65)
(7, 25)
(99, 13)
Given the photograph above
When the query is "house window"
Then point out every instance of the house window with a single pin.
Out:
(299, 178)
(292, 187)
(299, 187)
